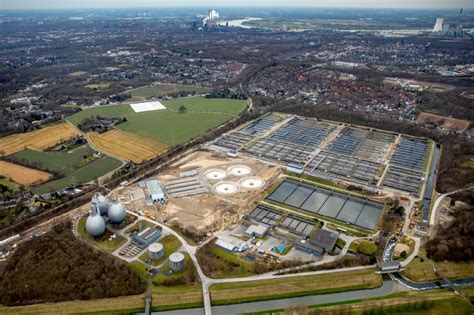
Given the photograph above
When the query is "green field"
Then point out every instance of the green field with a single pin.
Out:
(67, 163)
(8, 183)
(98, 86)
(241, 292)
(170, 244)
(164, 89)
(169, 126)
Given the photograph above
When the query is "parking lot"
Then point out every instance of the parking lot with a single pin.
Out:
(130, 250)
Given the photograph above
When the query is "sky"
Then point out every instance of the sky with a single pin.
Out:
(65, 4)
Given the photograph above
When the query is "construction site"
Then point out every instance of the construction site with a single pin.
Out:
(205, 191)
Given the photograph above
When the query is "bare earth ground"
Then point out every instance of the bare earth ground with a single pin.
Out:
(450, 123)
(205, 212)
(23, 175)
(37, 140)
(432, 86)
(125, 145)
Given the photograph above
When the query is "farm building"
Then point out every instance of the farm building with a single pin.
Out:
(146, 236)
(156, 193)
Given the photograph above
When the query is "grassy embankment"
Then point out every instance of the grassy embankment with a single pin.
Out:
(241, 292)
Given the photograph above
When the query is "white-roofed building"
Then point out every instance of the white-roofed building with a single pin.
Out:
(156, 193)
(226, 243)
(256, 230)
(147, 106)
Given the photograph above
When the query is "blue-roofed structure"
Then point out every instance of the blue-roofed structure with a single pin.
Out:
(146, 236)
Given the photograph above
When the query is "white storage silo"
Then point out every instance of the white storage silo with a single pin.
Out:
(177, 261)
(155, 251)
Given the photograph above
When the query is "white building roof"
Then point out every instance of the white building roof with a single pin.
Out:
(257, 229)
(224, 243)
(147, 106)
(154, 187)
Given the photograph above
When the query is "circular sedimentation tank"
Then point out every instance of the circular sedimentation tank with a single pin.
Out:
(239, 170)
(215, 174)
(226, 188)
(95, 225)
(155, 251)
(177, 261)
(116, 213)
(252, 183)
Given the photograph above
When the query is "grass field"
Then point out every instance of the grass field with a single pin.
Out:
(98, 86)
(164, 89)
(240, 292)
(23, 175)
(422, 271)
(170, 244)
(8, 183)
(126, 145)
(67, 163)
(77, 73)
(203, 105)
(167, 126)
(39, 140)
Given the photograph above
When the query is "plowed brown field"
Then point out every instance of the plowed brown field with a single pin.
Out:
(37, 140)
(23, 175)
(125, 145)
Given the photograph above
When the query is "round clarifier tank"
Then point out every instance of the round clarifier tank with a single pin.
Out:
(95, 225)
(251, 183)
(177, 261)
(215, 174)
(155, 251)
(239, 170)
(226, 188)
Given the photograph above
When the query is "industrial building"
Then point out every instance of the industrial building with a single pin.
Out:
(146, 236)
(177, 262)
(226, 243)
(156, 193)
(322, 241)
(256, 230)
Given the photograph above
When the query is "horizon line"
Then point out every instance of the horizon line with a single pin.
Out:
(234, 7)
